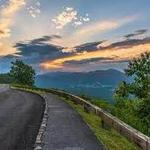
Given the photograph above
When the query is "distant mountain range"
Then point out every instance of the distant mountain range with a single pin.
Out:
(99, 84)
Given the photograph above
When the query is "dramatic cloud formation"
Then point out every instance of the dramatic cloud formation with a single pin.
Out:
(80, 35)
(39, 48)
(115, 52)
(89, 56)
(69, 16)
(84, 33)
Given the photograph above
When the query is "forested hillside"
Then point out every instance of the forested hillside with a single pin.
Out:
(5, 79)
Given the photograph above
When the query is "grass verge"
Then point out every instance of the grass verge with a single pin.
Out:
(110, 138)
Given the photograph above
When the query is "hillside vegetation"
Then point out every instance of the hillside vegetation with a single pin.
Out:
(132, 99)
(5, 79)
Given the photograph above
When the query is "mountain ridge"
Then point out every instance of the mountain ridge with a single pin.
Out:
(99, 83)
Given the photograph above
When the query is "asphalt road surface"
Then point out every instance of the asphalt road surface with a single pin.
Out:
(66, 130)
(20, 118)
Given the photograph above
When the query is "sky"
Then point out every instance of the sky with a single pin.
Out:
(73, 35)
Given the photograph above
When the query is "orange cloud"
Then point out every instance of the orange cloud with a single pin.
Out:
(7, 49)
(115, 54)
(6, 21)
(7, 14)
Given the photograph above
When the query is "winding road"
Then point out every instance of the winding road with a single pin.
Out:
(66, 130)
(20, 117)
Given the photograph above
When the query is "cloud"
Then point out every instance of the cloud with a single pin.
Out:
(83, 48)
(114, 53)
(7, 13)
(142, 31)
(40, 48)
(69, 16)
(41, 53)
(45, 39)
(6, 21)
(127, 43)
(87, 61)
(7, 49)
(136, 33)
(31, 52)
(91, 46)
(35, 9)
(4, 33)
(83, 34)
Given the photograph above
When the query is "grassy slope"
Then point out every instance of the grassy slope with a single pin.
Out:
(110, 138)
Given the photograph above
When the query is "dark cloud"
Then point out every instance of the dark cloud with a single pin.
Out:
(92, 46)
(142, 31)
(87, 61)
(44, 39)
(128, 43)
(35, 51)
(93, 61)
(136, 33)
(129, 35)
(39, 48)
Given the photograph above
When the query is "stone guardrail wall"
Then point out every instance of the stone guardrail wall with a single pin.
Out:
(141, 140)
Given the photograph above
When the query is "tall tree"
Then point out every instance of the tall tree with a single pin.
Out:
(139, 69)
(22, 73)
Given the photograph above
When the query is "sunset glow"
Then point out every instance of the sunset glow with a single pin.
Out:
(117, 55)
(62, 36)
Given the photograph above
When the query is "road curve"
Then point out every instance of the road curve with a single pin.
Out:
(20, 117)
(66, 130)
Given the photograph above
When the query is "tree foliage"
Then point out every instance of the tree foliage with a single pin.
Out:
(137, 92)
(22, 73)
(139, 68)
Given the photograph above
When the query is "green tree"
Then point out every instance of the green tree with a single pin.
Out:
(139, 69)
(22, 73)
(144, 114)
(137, 92)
